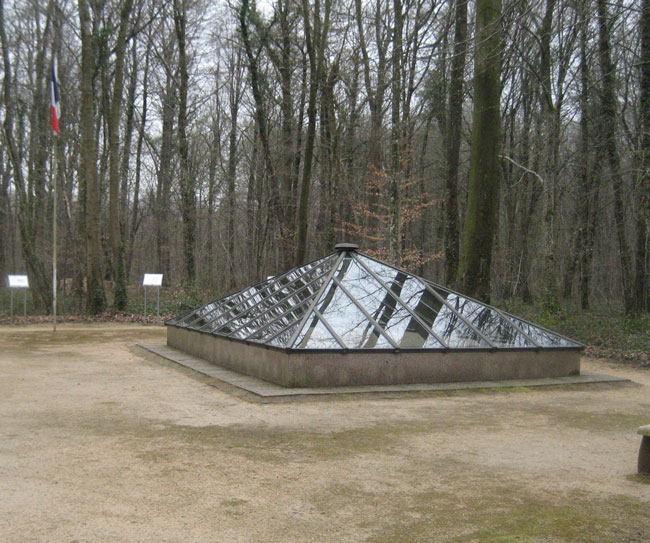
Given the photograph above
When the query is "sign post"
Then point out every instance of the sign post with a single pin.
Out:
(18, 281)
(152, 280)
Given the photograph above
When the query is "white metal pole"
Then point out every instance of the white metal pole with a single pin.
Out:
(11, 303)
(158, 304)
(54, 239)
(145, 301)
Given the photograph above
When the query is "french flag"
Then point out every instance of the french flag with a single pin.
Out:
(55, 98)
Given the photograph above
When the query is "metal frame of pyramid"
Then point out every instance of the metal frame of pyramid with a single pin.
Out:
(348, 301)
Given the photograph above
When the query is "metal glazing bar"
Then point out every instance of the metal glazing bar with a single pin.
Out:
(248, 297)
(367, 315)
(276, 319)
(498, 312)
(281, 301)
(282, 330)
(455, 312)
(402, 302)
(218, 307)
(215, 308)
(550, 332)
(330, 329)
(437, 296)
(241, 311)
(268, 296)
(312, 306)
(516, 327)
(264, 286)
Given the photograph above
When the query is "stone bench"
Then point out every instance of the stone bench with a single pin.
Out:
(644, 450)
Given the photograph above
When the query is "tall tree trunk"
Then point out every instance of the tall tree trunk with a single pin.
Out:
(163, 188)
(188, 197)
(316, 40)
(5, 215)
(231, 173)
(261, 123)
(483, 199)
(609, 122)
(532, 185)
(126, 161)
(135, 207)
(375, 98)
(288, 173)
(395, 220)
(96, 298)
(117, 240)
(453, 129)
(329, 201)
(641, 297)
(549, 135)
(588, 188)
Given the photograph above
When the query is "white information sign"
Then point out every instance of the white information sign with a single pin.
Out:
(152, 279)
(18, 281)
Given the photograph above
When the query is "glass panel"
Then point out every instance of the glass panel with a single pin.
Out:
(266, 301)
(203, 315)
(315, 335)
(271, 326)
(486, 319)
(283, 338)
(345, 318)
(390, 314)
(431, 311)
(272, 311)
(543, 337)
(277, 301)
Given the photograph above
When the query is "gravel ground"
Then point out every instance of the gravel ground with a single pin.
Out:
(98, 443)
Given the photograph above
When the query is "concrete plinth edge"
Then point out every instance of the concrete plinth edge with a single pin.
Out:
(265, 389)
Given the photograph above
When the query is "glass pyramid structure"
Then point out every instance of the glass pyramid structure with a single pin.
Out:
(349, 301)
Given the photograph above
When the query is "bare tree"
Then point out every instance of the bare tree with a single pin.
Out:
(482, 206)
(186, 181)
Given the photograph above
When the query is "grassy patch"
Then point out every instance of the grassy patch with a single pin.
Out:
(608, 420)
(639, 478)
(505, 514)
(20, 338)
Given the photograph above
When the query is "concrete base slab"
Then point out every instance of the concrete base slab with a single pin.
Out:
(265, 389)
(335, 368)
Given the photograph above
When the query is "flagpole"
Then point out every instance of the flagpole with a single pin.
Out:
(54, 235)
(54, 101)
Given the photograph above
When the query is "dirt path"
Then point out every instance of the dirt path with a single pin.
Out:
(100, 444)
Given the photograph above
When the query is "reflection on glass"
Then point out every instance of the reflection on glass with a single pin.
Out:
(487, 320)
(385, 308)
(283, 338)
(262, 329)
(373, 306)
(315, 335)
(542, 337)
(245, 312)
(344, 315)
(432, 312)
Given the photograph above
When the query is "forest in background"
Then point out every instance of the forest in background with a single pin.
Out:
(218, 143)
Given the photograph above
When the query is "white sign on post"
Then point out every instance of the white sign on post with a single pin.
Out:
(152, 279)
(18, 281)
